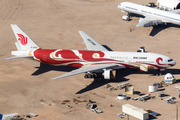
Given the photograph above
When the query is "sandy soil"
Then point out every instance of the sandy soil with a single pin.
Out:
(55, 24)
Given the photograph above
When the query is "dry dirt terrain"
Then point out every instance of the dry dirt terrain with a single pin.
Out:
(54, 24)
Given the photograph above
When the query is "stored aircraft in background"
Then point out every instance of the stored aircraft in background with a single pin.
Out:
(6, 116)
(94, 61)
(152, 16)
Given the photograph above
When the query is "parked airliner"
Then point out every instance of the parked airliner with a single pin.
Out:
(152, 16)
(93, 61)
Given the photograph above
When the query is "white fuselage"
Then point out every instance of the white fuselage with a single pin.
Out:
(136, 59)
(160, 15)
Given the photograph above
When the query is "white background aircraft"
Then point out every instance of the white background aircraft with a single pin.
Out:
(152, 16)
(93, 61)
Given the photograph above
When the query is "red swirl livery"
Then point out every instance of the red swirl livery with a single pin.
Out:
(95, 61)
(22, 39)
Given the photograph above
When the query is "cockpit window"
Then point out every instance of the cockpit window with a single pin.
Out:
(170, 60)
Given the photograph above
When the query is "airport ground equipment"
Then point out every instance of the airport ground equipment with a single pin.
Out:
(157, 84)
(108, 86)
(171, 100)
(122, 97)
(122, 85)
(169, 78)
(135, 112)
(163, 84)
(178, 88)
(162, 94)
(143, 97)
(129, 90)
(152, 113)
(125, 17)
(68, 106)
(93, 107)
(121, 115)
(153, 88)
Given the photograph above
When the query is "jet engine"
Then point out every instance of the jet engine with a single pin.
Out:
(109, 73)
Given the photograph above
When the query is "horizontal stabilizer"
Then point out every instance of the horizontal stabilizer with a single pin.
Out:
(14, 57)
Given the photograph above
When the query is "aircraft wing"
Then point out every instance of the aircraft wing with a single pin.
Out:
(91, 44)
(89, 68)
(145, 20)
(149, 19)
(175, 11)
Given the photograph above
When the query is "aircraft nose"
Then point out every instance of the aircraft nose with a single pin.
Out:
(174, 62)
(119, 6)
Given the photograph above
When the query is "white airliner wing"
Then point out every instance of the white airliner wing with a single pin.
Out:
(91, 44)
(149, 19)
(175, 11)
(145, 20)
(89, 68)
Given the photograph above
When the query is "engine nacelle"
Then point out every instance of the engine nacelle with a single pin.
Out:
(108, 74)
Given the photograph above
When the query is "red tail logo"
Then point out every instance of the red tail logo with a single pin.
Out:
(22, 39)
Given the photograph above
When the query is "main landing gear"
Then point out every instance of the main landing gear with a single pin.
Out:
(90, 75)
(161, 72)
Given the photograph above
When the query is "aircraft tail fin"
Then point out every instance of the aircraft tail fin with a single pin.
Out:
(24, 42)
(1, 116)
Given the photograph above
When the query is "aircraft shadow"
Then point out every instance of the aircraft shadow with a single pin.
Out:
(46, 68)
(160, 27)
(95, 84)
(107, 47)
(136, 15)
(120, 75)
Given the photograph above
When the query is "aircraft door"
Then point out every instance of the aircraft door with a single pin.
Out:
(44, 58)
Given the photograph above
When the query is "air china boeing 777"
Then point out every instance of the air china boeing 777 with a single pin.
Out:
(152, 15)
(94, 61)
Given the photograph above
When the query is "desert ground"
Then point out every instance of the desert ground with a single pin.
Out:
(27, 88)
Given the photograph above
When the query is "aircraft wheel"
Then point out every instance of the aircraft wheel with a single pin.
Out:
(89, 75)
(86, 76)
